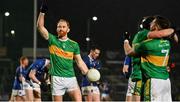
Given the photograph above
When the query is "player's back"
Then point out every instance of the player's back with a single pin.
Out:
(155, 58)
(38, 65)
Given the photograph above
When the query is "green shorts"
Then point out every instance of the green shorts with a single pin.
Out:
(138, 88)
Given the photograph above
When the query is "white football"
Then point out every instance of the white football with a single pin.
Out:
(93, 75)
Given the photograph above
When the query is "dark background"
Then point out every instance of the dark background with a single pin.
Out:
(114, 18)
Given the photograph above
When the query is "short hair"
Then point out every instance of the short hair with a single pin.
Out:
(22, 58)
(64, 20)
(162, 22)
(94, 47)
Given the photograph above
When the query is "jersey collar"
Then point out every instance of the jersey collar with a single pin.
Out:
(90, 58)
(46, 63)
(64, 39)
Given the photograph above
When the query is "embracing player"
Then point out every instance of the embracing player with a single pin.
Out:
(154, 57)
(135, 80)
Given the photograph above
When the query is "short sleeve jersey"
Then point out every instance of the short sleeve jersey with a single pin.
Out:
(128, 61)
(91, 63)
(139, 37)
(136, 60)
(38, 66)
(17, 85)
(62, 55)
(154, 57)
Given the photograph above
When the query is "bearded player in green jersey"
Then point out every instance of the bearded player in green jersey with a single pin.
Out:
(62, 52)
(135, 79)
(154, 58)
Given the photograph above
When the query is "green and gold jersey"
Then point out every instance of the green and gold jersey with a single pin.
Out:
(136, 61)
(61, 56)
(140, 36)
(154, 57)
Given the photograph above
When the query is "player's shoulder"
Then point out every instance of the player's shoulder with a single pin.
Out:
(140, 36)
(52, 35)
(72, 41)
(142, 32)
(18, 68)
(85, 57)
(40, 60)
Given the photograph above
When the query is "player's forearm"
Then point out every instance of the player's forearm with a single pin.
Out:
(41, 27)
(82, 66)
(40, 22)
(127, 48)
(34, 79)
(160, 33)
(125, 68)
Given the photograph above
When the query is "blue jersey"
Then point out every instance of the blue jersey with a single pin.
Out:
(90, 63)
(17, 85)
(39, 66)
(128, 61)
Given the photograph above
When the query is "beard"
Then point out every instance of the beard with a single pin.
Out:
(62, 33)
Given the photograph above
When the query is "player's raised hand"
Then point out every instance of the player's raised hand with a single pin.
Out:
(40, 22)
(44, 7)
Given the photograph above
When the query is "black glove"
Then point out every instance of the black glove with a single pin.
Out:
(44, 7)
(126, 36)
(44, 86)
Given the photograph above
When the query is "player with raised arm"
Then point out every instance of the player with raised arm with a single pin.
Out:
(62, 53)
